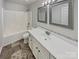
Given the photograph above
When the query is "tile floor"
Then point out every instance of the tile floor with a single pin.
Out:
(17, 51)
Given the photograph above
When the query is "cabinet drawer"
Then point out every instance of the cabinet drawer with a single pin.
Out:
(44, 54)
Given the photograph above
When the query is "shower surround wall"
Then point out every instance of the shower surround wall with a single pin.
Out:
(14, 21)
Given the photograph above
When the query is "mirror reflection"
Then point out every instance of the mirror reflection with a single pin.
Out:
(61, 14)
(42, 14)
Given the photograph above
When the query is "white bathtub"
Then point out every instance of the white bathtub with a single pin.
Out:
(8, 39)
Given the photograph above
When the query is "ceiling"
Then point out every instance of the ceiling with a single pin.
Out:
(24, 2)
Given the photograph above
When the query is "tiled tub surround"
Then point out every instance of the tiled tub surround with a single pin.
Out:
(17, 50)
(57, 46)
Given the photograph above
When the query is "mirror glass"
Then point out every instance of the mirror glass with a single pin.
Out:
(42, 14)
(61, 14)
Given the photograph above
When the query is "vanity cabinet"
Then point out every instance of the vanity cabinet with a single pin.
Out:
(52, 46)
(30, 43)
(38, 50)
(52, 57)
(43, 53)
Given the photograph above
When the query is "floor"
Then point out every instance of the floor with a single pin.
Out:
(17, 50)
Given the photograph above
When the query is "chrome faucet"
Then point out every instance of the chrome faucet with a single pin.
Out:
(47, 32)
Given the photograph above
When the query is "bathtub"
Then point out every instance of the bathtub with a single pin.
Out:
(11, 38)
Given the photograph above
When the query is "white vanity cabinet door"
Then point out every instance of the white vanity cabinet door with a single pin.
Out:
(38, 50)
(30, 43)
(35, 51)
(43, 53)
(35, 47)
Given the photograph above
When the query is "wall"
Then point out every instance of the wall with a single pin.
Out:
(1, 37)
(14, 22)
(15, 17)
(14, 6)
(64, 31)
(0, 22)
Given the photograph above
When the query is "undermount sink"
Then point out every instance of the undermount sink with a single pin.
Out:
(45, 36)
(47, 32)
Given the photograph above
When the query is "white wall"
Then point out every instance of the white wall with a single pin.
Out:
(1, 23)
(67, 32)
(14, 6)
(1, 34)
(14, 22)
(14, 17)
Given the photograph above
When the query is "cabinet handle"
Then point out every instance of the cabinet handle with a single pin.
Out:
(45, 39)
(36, 47)
(38, 50)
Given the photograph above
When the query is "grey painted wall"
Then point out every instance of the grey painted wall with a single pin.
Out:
(64, 31)
(1, 38)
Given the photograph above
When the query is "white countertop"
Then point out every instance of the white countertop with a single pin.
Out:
(55, 45)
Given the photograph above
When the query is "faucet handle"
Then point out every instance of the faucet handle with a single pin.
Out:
(47, 32)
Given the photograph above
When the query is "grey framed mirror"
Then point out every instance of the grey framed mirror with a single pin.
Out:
(61, 14)
(42, 14)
